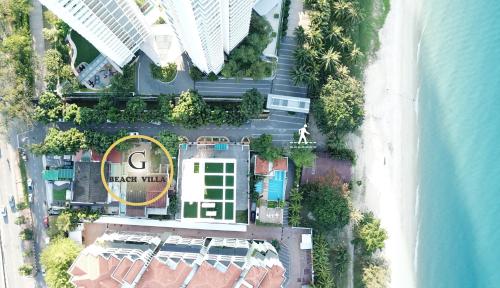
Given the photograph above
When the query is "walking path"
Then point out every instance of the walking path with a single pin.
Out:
(36, 26)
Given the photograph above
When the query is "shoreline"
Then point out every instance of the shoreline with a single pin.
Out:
(387, 145)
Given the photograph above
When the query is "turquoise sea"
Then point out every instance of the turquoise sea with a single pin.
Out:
(459, 151)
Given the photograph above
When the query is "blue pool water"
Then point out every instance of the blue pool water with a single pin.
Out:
(459, 104)
(277, 186)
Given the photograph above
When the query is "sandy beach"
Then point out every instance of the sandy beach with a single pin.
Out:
(387, 145)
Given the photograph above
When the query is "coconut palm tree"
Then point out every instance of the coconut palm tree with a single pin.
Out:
(300, 35)
(342, 71)
(300, 55)
(345, 43)
(355, 54)
(335, 33)
(314, 37)
(299, 75)
(330, 60)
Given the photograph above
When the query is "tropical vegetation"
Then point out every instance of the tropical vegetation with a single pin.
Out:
(56, 258)
(164, 74)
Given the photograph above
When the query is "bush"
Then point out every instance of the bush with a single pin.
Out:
(164, 74)
(125, 82)
(276, 244)
(212, 77)
(195, 73)
(21, 205)
(26, 234)
(26, 269)
(20, 220)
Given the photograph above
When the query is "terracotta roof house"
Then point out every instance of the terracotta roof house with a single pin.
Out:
(114, 260)
(138, 260)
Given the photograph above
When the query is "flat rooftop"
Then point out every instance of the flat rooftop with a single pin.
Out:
(213, 181)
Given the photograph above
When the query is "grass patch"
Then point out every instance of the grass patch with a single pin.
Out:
(229, 180)
(242, 216)
(59, 194)
(196, 167)
(24, 178)
(213, 180)
(229, 194)
(228, 212)
(229, 167)
(190, 210)
(272, 204)
(213, 194)
(214, 167)
(85, 52)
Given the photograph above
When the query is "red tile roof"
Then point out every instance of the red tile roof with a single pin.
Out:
(262, 167)
(274, 278)
(122, 269)
(255, 275)
(91, 271)
(134, 271)
(208, 276)
(159, 275)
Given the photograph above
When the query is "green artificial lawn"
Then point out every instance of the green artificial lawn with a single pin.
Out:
(229, 180)
(196, 167)
(229, 213)
(59, 194)
(85, 52)
(190, 210)
(213, 180)
(213, 194)
(214, 167)
(229, 194)
(229, 167)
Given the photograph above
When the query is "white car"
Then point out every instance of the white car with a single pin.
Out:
(133, 133)
(30, 185)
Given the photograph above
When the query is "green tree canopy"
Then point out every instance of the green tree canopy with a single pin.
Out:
(60, 142)
(191, 111)
(134, 111)
(302, 157)
(57, 257)
(370, 234)
(263, 146)
(322, 268)
(375, 276)
(50, 108)
(252, 103)
(329, 207)
(339, 108)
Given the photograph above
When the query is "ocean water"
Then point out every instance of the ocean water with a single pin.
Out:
(459, 155)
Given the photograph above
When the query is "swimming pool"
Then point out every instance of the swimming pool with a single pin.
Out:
(277, 186)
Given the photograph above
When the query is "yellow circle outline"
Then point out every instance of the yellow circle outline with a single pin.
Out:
(170, 174)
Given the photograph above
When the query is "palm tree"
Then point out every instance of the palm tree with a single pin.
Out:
(300, 35)
(299, 75)
(345, 43)
(355, 54)
(300, 55)
(335, 33)
(314, 37)
(330, 60)
(342, 71)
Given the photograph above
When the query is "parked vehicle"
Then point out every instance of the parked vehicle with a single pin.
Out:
(4, 211)
(30, 185)
(12, 202)
(46, 221)
(30, 197)
(253, 213)
(24, 156)
(133, 133)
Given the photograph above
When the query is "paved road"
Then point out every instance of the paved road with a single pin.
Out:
(147, 85)
(38, 207)
(231, 87)
(280, 125)
(11, 252)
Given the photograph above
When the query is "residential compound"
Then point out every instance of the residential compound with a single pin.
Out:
(162, 29)
(146, 261)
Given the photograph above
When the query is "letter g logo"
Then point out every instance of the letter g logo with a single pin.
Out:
(131, 162)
